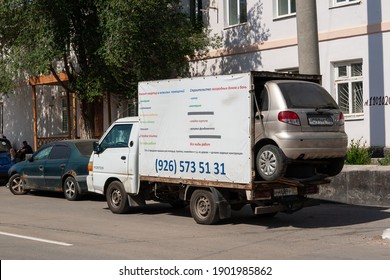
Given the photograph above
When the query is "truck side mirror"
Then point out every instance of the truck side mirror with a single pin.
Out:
(96, 147)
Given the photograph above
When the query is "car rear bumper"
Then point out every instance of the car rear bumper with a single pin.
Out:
(317, 145)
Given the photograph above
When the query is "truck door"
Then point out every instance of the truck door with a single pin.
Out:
(262, 116)
(118, 157)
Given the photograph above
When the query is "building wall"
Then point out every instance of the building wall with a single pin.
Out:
(359, 31)
(18, 124)
(18, 117)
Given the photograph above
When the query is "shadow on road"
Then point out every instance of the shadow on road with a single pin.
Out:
(328, 214)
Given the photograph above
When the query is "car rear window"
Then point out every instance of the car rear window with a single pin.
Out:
(85, 147)
(306, 95)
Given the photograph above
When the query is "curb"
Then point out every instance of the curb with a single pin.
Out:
(367, 185)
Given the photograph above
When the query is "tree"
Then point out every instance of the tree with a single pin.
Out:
(102, 45)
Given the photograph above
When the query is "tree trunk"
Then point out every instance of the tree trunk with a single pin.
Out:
(87, 123)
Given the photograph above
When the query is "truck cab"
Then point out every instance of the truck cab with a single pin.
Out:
(115, 157)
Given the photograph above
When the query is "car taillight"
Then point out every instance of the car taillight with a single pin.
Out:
(289, 117)
(341, 119)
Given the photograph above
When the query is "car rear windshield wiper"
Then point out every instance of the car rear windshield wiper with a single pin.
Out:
(326, 107)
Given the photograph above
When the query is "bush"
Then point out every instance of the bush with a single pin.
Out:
(358, 154)
(385, 160)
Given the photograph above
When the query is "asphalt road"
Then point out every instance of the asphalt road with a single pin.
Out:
(41, 226)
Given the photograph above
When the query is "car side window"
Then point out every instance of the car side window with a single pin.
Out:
(118, 137)
(60, 152)
(43, 154)
(264, 100)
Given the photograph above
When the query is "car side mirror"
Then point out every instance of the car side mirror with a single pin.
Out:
(29, 157)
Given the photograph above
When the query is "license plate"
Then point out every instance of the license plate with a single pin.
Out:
(320, 120)
(286, 191)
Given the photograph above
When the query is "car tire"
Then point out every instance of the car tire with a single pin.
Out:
(117, 198)
(71, 189)
(270, 163)
(333, 168)
(16, 185)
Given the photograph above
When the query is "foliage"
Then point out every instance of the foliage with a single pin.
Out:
(102, 45)
(358, 153)
(385, 160)
(147, 40)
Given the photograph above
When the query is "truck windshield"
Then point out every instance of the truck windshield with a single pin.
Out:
(118, 137)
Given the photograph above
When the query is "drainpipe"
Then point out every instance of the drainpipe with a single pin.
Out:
(307, 32)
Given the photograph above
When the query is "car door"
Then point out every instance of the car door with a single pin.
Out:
(34, 169)
(56, 166)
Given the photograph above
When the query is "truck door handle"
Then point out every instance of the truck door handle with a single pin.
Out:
(123, 157)
(62, 166)
(40, 168)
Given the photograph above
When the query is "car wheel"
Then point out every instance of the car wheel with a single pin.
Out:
(270, 163)
(16, 185)
(117, 199)
(203, 208)
(71, 189)
(333, 168)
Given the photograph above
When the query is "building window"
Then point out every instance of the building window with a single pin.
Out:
(196, 13)
(284, 8)
(349, 88)
(64, 106)
(235, 12)
(336, 3)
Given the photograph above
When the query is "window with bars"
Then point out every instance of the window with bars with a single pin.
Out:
(284, 8)
(235, 12)
(349, 88)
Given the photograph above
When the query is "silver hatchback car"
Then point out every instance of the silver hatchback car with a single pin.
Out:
(299, 131)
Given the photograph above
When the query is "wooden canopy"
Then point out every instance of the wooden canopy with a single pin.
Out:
(54, 81)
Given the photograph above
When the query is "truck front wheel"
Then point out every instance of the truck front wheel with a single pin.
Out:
(117, 199)
(203, 208)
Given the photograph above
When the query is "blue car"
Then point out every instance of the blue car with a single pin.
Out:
(5, 157)
(60, 166)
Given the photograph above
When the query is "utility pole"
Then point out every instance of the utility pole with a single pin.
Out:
(307, 32)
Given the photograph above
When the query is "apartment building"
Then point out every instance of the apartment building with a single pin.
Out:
(354, 50)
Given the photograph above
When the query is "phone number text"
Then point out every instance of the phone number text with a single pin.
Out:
(189, 166)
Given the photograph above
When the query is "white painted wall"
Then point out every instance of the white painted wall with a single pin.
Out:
(269, 44)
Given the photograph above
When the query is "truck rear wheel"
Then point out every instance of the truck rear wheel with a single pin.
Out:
(203, 208)
(117, 199)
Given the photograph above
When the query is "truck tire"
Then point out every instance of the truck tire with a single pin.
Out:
(270, 163)
(203, 208)
(117, 199)
(16, 185)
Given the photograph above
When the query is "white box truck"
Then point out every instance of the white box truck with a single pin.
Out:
(203, 142)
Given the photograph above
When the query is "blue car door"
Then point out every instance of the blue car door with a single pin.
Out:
(56, 166)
